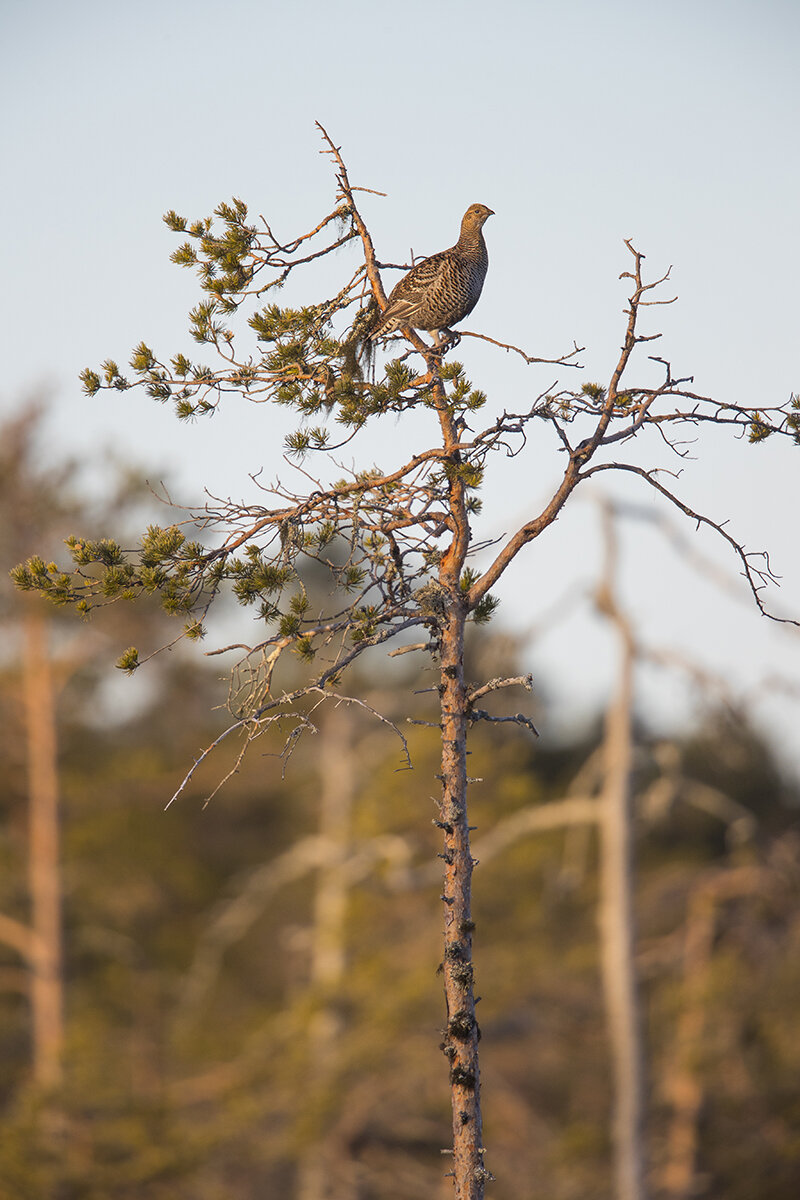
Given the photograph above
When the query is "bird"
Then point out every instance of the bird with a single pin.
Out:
(440, 291)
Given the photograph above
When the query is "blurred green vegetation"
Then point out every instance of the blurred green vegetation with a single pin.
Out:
(164, 1098)
(208, 1056)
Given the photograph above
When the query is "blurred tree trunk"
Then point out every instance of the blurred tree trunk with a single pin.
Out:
(617, 918)
(46, 983)
(337, 771)
(684, 1082)
(617, 932)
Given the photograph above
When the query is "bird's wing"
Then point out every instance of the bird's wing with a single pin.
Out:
(412, 289)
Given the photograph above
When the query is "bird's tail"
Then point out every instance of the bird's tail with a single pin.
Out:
(377, 325)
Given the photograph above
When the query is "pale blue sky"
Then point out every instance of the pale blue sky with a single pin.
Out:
(579, 123)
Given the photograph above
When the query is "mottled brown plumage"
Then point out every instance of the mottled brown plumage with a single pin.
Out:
(441, 290)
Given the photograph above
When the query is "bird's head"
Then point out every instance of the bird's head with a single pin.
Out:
(475, 216)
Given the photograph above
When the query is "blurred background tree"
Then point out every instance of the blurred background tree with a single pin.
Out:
(235, 977)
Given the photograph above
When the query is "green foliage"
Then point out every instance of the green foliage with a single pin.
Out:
(352, 578)
(159, 544)
(166, 564)
(142, 359)
(184, 256)
(91, 382)
(128, 661)
(304, 649)
(111, 376)
(104, 550)
(298, 604)
(467, 473)
(289, 625)
(223, 256)
(181, 365)
(365, 623)
(255, 578)
(485, 609)
(145, 889)
(174, 222)
(462, 395)
(300, 362)
(24, 576)
(593, 391)
(45, 578)
(759, 430)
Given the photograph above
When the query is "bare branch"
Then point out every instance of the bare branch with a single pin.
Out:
(494, 685)
(757, 577)
(409, 649)
(530, 359)
(479, 714)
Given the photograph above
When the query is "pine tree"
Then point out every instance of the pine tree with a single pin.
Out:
(397, 543)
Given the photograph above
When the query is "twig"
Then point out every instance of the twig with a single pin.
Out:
(563, 361)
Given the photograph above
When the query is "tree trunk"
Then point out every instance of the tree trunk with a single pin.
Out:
(461, 1034)
(43, 852)
(337, 788)
(684, 1082)
(617, 935)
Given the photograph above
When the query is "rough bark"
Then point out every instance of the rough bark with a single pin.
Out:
(461, 1033)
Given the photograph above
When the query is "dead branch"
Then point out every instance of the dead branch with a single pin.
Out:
(479, 714)
(757, 577)
(494, 685)
(562, 361)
